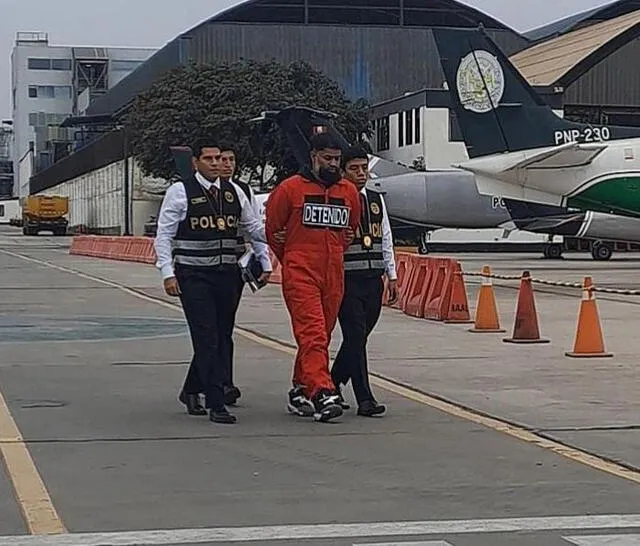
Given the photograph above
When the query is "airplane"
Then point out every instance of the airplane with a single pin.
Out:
(518, 147)
(439, 198)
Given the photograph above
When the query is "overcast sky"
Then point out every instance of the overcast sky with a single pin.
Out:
(153, 23)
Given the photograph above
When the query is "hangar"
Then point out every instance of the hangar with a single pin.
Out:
(377, 49)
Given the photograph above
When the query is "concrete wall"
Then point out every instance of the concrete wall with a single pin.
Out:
(96, 199)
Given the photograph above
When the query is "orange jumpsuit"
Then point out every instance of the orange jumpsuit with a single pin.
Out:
(315, 217)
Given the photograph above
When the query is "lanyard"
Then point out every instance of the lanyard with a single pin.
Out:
(367, 242)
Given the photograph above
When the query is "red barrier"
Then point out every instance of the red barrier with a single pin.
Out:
(418, 287)
(130, 249)
(439, 294)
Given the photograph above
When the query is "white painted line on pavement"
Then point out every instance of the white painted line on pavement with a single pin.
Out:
(420, 543)
(605, 540)
(213, 535)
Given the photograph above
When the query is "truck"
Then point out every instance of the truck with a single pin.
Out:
(9, 210)
(45, 213)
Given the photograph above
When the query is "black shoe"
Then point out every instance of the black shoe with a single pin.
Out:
(370, 408)
(299, 404)
(192, 401)
(221, 415)
(326, 405)
(342, 401)
(231, 395)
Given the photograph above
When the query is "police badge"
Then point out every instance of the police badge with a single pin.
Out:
(222, 225)
(367, 243)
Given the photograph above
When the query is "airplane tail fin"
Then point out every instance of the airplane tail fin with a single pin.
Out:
(497, 109)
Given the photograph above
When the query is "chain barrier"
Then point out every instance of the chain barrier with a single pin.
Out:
(556, 283)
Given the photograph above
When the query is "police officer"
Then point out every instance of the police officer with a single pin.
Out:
(366, 260)
(199, 224)
(227, 171)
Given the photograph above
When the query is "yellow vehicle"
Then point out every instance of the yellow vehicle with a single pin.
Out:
(45, 213)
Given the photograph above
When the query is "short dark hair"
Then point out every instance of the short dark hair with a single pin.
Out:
(196, 149)
(351, 153)
(226, 146)
(324, 141)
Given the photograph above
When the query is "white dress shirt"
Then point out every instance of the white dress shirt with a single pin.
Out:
(174, 210)
(387, 241)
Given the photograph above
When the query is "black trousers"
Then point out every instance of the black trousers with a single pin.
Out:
(359, 312)
(227, 342)
(209, 302)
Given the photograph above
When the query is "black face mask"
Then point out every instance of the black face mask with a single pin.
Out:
(329, 176)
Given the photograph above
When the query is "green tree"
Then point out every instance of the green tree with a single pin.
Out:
(217, 100)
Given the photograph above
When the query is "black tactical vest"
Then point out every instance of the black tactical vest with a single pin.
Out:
(240, 239)
(208, 236)
(245, 188)
(364, 255)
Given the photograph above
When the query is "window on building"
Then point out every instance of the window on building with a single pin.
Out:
(125, 66)
(400, 130)
(35, 63)
(382, 133)
(416, 125)
(1, 210)
(62, 91)
(455, 134)
(408, 127)
(50, 91)
(60, 64)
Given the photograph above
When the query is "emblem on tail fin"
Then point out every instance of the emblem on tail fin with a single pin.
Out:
(470, 84)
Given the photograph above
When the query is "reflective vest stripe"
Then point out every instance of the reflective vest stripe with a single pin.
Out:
(206, 261)
(216, 244)
(364, 265)
(357, 249)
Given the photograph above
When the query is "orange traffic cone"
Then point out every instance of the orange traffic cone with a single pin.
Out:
(458, 312)
(525, 327)
(589, 342)
(487, 320)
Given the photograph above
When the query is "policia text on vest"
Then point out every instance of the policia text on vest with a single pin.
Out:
(201, 230)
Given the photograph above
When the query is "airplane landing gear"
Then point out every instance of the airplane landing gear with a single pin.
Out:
(423, 247)
(553, 251)
(601, 251)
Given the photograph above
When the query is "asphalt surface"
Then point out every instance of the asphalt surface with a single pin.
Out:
(90, 373)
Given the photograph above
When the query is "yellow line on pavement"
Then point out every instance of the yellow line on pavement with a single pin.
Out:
(32, 495)
(407, 392)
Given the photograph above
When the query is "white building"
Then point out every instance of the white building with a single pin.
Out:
(6, 159)
(49, 83)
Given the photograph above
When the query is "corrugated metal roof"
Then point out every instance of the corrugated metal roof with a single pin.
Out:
(564, 25)
(548, 62)
(591, 16)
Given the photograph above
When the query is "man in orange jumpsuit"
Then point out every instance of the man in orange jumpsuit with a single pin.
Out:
(320, 212)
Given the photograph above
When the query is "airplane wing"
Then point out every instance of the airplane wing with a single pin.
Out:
(569, 156)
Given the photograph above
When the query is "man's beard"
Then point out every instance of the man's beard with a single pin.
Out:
(329, 176)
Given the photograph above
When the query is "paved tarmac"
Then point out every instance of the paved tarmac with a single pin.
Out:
(90, 370)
